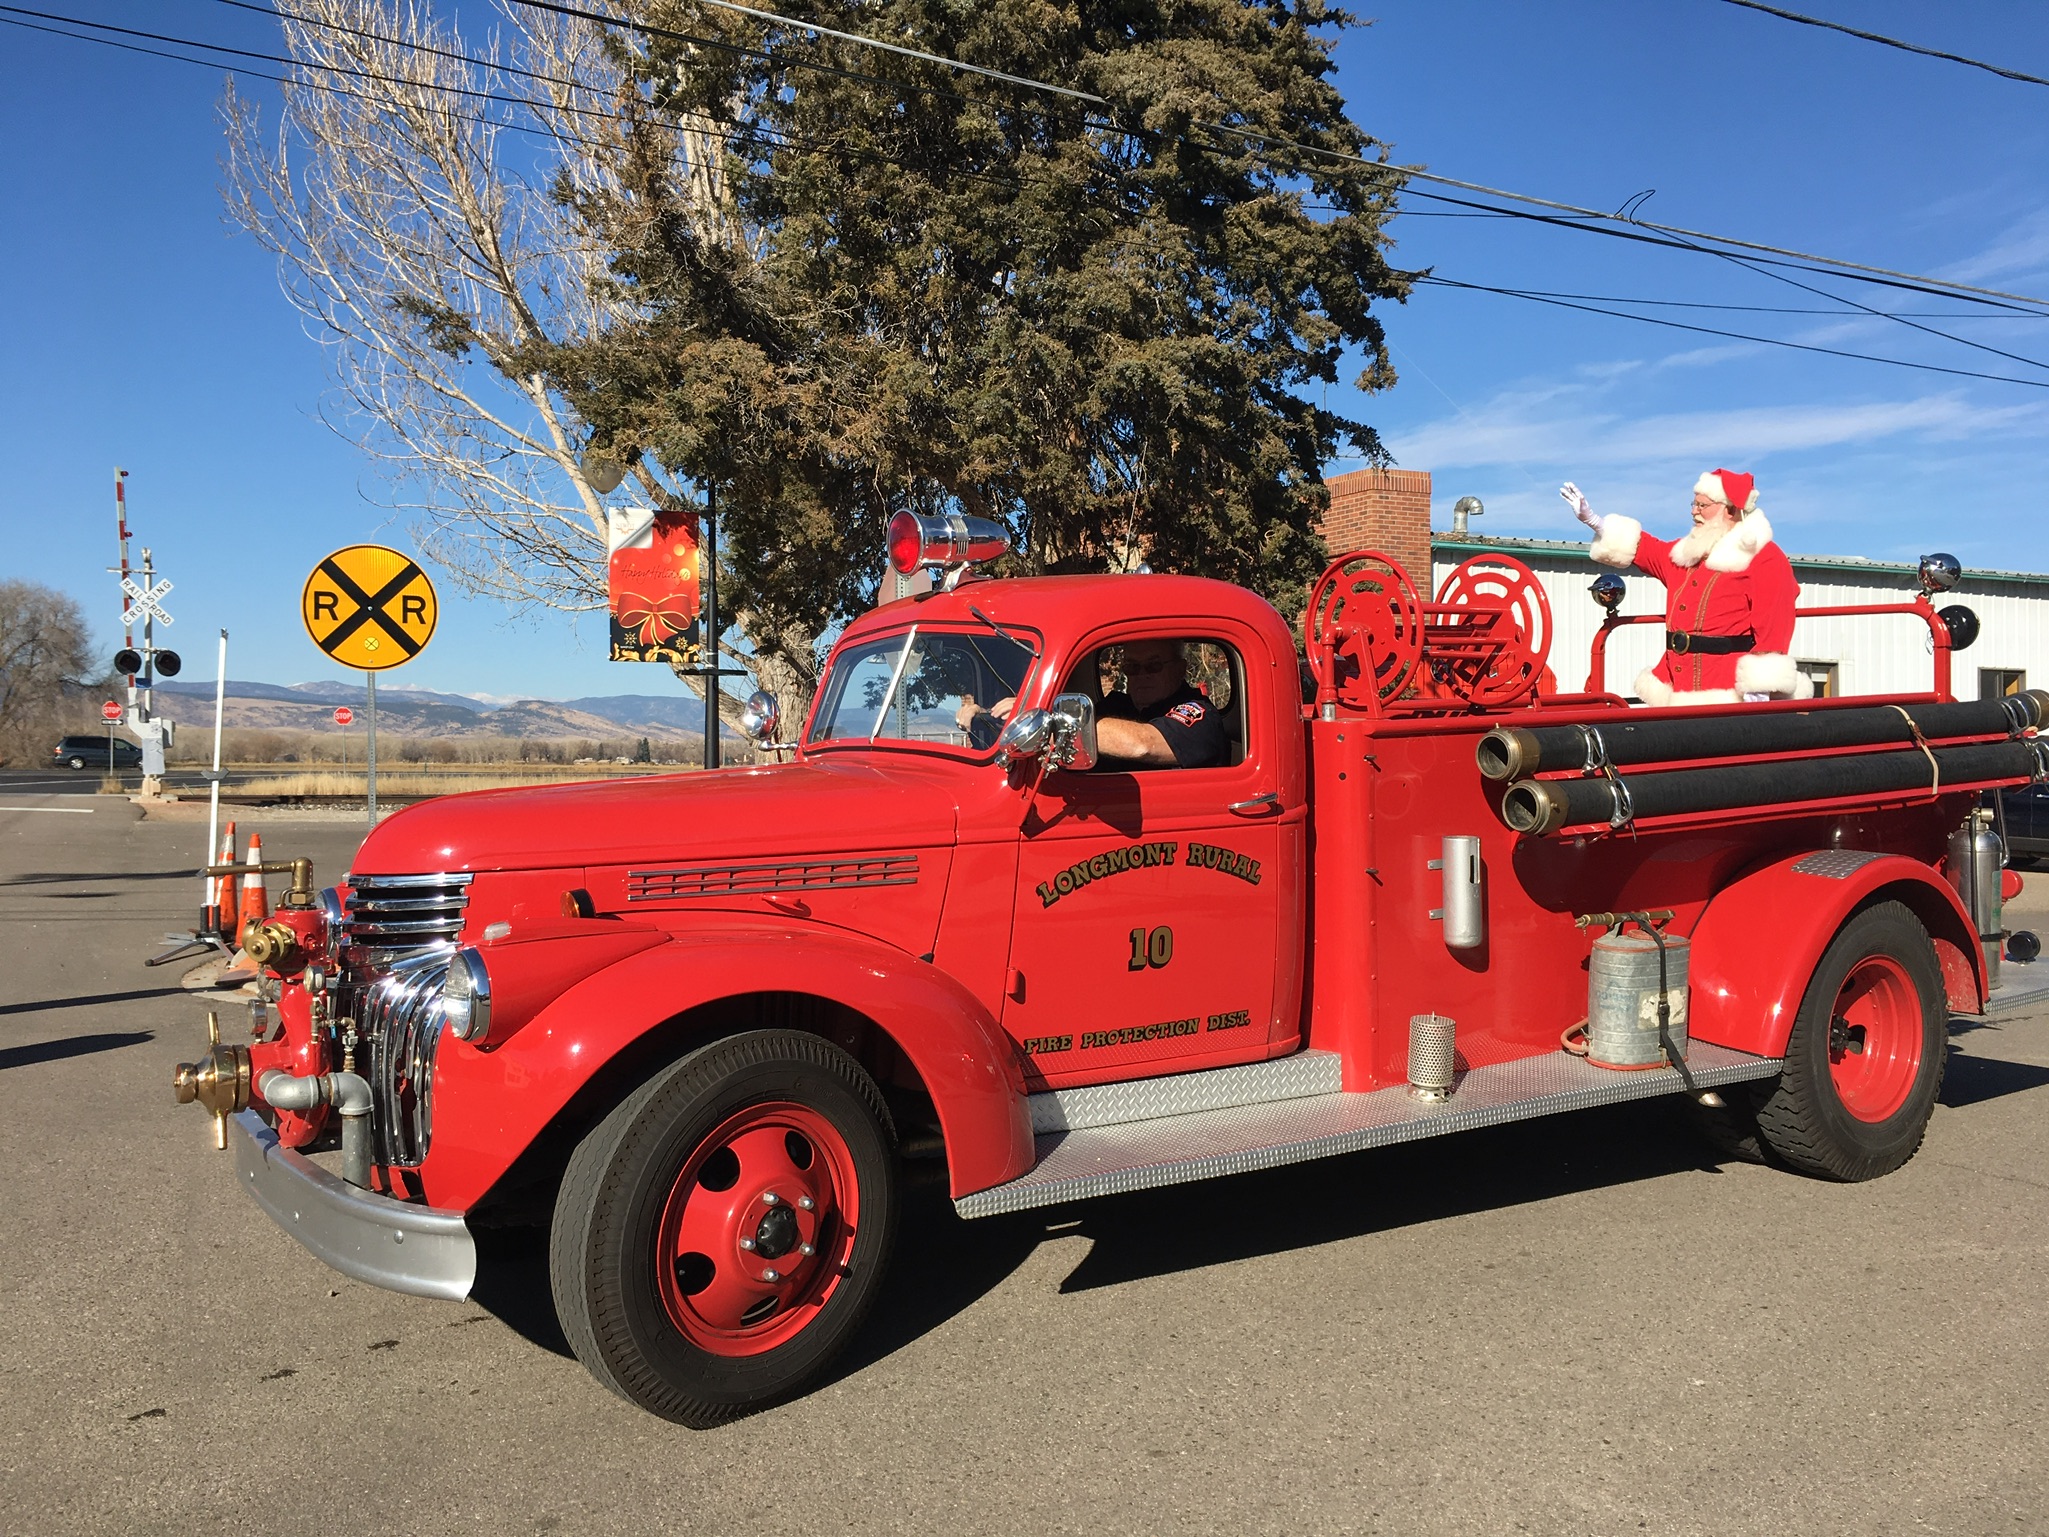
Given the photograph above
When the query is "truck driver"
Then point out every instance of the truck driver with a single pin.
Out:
(1157, 720)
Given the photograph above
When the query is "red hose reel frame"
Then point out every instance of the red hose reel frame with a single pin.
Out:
(1373, 644)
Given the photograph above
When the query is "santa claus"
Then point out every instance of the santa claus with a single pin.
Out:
(1729, 591)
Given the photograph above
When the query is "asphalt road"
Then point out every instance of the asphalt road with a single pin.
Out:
(1576, 1326)
(59, 780)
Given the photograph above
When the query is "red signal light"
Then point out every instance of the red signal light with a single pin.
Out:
(906, 543)
(953, 541)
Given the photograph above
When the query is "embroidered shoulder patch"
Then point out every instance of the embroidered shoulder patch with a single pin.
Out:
(1186, 714)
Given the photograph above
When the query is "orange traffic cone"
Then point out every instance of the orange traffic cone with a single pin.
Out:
(221, 894)
(255, 896)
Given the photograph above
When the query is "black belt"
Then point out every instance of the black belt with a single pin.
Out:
(1684, 643)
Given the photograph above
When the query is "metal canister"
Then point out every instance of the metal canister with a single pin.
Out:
(1622, 999)
(1974, 864)
(1433, 1056)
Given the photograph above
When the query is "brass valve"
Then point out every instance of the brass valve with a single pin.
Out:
(270, 944)
(298, 895)
(218, 1081)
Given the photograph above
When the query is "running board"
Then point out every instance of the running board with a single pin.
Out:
(1106, 1157)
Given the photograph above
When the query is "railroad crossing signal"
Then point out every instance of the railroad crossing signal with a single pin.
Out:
(145, 601)
(369, 607)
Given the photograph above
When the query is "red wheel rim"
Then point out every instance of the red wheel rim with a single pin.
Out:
(1874, 1050)
(768, 1183)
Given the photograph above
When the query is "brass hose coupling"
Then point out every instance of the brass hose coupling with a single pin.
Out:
(218, 1081)
(298, 895)
(270, 944)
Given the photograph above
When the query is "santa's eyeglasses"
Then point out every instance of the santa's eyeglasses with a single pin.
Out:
(1157, 665)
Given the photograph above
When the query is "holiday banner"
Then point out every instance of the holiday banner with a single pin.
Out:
(652, 584)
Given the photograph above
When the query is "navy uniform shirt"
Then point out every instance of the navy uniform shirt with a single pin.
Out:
(1193, 726)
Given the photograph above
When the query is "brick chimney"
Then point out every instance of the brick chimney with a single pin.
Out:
(1385, 510)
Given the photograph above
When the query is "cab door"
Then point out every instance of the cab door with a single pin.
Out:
(1148, 930)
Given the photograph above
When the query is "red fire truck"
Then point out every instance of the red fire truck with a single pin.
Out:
(703, 1020)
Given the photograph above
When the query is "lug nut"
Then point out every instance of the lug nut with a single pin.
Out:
(771, 1275)
(806, 1202)
(746, 1243)
(769, 1198)
(806, 1250)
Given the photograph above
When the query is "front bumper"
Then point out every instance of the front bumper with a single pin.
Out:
(389, 1243)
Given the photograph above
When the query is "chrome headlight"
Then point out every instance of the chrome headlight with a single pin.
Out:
(466, 997)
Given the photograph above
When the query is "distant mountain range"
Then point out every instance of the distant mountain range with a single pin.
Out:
(422, 712)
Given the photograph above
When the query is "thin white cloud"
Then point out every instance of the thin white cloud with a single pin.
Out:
(2021, 250)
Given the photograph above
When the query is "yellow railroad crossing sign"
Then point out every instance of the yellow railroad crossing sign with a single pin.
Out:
(369, 607)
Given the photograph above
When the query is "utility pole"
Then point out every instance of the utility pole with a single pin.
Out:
(710, 554)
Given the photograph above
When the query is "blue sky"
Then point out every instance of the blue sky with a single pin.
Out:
(135, 330)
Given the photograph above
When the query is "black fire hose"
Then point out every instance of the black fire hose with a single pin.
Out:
(1541, 806)
(1515, 752)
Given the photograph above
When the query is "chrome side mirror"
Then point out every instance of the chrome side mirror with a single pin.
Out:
(761, 718)
(1024, 735)
(1074, 729)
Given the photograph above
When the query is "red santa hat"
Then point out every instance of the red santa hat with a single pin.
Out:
(1731, 488)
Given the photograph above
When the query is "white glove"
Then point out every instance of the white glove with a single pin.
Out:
(1756, 698)
(1577, 501)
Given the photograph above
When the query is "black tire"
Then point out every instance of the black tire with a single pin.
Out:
(621, 1316)
(1731, 1129)
(1804, 1118)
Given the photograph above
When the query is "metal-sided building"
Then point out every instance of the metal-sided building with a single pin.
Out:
(1861, 654)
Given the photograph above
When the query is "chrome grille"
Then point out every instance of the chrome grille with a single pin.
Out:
(397, 934)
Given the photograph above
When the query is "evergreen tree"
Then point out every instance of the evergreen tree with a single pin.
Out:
(1107, 326)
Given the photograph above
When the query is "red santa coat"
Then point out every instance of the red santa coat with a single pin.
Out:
(1736, 582)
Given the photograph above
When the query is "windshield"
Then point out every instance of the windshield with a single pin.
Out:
(913, 687)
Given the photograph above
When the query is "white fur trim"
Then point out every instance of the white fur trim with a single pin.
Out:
(1710, 484)
(1773, 673)
(1616, 543)
(1735, 550)
(1655, 692)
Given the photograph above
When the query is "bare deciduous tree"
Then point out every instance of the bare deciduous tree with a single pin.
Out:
(46, 659)
(420, 195)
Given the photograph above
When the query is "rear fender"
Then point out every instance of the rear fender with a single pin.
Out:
(491, 1105)
(1758, 942)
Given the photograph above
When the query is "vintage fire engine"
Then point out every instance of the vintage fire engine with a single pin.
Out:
(700, 1021)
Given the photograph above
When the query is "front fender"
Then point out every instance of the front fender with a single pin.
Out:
(1759, 940)
(490, 1105)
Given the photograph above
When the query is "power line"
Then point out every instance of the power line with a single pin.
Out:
(1768, 341)
(1877, 37)
(1272, 140)
(1775, 309)
(1534, 295)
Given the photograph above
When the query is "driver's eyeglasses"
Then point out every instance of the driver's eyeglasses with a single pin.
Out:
(1147, 669)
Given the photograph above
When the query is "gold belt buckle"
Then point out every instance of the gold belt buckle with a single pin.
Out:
(1680, 642)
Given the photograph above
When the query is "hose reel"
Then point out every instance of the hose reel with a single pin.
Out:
(1372, 641)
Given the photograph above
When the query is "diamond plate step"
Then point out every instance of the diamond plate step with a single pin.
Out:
(1105, 1159)
(1297, 1076)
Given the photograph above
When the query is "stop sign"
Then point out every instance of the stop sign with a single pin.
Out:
(343, 715)
(110, 711)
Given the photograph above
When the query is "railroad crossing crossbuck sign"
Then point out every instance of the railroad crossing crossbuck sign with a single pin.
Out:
(146, 602)
(369, 607)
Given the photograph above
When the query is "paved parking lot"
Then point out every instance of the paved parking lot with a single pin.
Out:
(1579, 1326)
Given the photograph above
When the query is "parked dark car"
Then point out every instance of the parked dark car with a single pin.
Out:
(2027, 823)
(79, 752)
